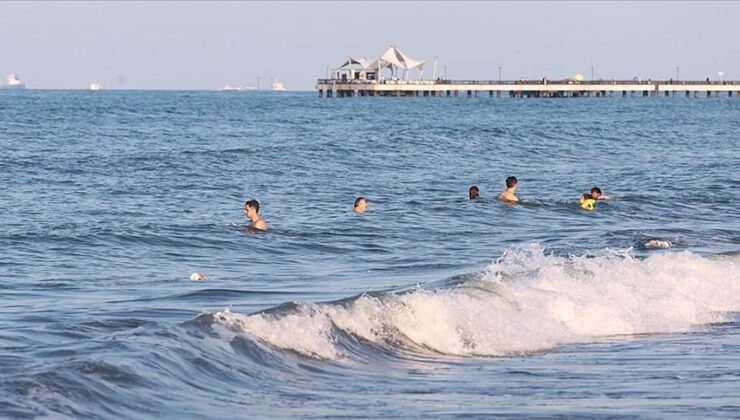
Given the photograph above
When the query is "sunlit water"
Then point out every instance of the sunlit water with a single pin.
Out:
(427, 305)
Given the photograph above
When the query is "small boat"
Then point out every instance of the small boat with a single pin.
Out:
(95, 86)
(229, 88)
(14, 82)
(278, 85)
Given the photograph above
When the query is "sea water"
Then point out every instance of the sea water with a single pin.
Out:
(428, 304)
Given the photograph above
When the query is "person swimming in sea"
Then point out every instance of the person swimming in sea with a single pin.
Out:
(360, 205)
(509, 195)
(251, 210)
(587, 202)
(597, 195)
(473, 192)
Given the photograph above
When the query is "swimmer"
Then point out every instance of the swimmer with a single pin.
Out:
(658, 243)
(509, 195)
(197, 276)
(251, 210)
(587, 202)
(473, 192)
(597, 195)
(360, 205)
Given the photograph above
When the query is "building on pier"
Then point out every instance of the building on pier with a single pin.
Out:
(398, 64)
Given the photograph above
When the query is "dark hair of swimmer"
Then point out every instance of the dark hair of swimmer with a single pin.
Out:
(358, 200)
(596, 190)
(473, 192)
(253, 204)
(511, 181)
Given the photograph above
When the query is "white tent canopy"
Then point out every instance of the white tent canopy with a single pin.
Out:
(392, 58)
(395, 57)
(352, 61)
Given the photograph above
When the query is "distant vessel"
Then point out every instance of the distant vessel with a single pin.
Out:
(95, 86)
(14, 82)
(278, 85)
(229, 88)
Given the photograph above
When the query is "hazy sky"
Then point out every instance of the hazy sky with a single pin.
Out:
(191, 45)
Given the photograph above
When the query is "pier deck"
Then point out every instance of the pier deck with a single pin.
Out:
(539, 89)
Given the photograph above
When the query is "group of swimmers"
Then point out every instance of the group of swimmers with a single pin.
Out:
(587, 202)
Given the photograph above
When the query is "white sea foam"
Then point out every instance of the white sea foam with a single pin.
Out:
(526, 301)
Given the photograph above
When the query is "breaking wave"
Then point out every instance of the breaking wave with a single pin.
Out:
(526, 301)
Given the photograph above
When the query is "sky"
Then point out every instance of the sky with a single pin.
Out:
(204, 45)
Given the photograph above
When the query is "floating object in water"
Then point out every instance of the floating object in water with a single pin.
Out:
(658, 243)
(197, 276)
(588, 204)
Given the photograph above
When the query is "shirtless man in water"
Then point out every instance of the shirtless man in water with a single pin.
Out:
(251, 210)
(509, 195)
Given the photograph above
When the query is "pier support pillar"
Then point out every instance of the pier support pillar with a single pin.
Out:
(498, 93)
(321, 93)
(624, 93)
(667, 93)
(456, 93)
(490, 94)
(448, 94)
(729, 94)
(470, 93)
(688, 93)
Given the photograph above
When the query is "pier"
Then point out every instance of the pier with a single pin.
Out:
(528, 89)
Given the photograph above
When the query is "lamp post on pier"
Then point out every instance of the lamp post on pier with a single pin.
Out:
(677, 68)
(592, 73)
(499, 75)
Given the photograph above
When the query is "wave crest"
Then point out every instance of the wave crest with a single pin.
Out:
(525, 301)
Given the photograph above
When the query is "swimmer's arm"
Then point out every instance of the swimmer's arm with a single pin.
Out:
(604, 197)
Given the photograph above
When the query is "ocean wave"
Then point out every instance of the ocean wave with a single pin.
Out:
(526, 301)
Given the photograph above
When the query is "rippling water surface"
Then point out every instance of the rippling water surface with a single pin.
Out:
(428, 304)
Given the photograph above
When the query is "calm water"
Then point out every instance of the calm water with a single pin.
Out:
(427, 305)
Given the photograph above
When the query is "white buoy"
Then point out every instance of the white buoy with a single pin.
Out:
(658, 243)
(197, 276)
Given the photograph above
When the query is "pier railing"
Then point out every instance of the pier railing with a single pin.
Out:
(525, 82)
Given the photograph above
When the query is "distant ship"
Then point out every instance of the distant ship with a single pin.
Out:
(278, 85)
(229, 88)
(95, 86)
(14, 82)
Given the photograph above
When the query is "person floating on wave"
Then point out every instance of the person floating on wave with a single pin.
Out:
(360, 205)
(251, 210)
(587, 202)
(509, 195)
(473, 192)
